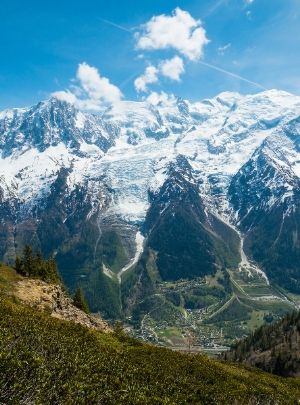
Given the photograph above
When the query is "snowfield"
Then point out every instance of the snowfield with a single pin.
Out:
(130, 146)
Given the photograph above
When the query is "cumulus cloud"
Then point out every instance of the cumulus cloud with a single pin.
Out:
(150, 76)
(92, 92)
(155, 98)
(65, 96)
(97, 87)
(180, 31)
(172, 68)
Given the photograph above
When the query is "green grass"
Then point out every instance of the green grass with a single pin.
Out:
(256, 320)
(214, 280)
(45, 360)
(171, 332)
(8, 278)
(257, 290)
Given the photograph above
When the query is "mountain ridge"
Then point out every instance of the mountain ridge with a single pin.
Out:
(98, 180)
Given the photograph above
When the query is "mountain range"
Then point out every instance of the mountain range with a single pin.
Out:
(168, 216)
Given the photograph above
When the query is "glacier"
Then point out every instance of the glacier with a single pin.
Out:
(131, 144)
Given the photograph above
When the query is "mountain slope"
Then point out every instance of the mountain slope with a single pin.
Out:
(265, 196)
(190, 242)
(52, 361)
(48, 123)
(273, 348)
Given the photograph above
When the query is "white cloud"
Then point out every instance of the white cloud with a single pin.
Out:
(172, 68)
(97, 87)
(93, 92)
(150, 76)
(249, 1)
(65, 96)
(160, 98)
(223, 49)
(179, 31)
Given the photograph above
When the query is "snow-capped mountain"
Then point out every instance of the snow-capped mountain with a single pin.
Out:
(132, 143)
(81, 186)
(265, 196)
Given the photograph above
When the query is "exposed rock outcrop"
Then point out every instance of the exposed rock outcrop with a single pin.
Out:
(52, 298)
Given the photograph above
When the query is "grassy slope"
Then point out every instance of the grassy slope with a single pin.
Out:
(45, 360)
(8, 279)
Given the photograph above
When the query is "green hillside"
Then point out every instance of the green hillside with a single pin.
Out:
(274, 347)
(48, 361)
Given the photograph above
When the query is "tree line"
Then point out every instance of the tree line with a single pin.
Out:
(34, 266)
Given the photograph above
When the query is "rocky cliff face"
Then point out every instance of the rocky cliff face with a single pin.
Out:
(53, 299)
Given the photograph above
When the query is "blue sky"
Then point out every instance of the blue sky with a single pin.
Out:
(43, 43)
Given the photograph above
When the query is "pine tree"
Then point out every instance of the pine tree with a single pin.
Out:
(19, 266)
(50, 272)
(33, 265)
(28, 261)
(38, 266)
(79, 301)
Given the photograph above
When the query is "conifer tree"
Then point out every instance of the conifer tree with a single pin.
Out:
(19, 266)
(79, 301)
(28, 262)
(33, 265)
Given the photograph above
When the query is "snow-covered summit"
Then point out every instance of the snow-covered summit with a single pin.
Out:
(49, 123)
(130, 145)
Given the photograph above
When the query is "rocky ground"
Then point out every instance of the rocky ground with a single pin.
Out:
(54, 300)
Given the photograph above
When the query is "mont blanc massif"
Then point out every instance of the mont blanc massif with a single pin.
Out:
(178, 218)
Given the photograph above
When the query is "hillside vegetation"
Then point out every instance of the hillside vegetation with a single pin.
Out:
(48, 297)
(274, 348)
(34, 266)
(49, 361)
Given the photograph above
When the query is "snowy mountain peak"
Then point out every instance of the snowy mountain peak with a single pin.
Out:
(131, 145)
(49, 123)
(232, 160)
